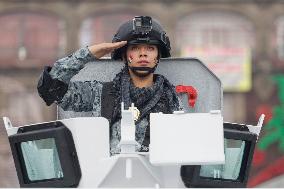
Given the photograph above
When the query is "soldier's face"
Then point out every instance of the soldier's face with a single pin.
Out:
(142, 55)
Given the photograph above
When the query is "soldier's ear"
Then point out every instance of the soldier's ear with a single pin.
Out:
(158, 57)
(159, 54)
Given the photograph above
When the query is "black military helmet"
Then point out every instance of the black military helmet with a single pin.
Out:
(142, 29)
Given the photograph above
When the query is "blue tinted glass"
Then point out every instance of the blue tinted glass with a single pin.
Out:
(234, 151)
(41, 159)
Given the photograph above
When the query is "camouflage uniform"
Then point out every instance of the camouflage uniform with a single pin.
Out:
(86, 96)
(79, 93)
(80, 96)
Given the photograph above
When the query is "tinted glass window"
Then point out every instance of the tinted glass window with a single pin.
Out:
(234, 151)
(41, 159)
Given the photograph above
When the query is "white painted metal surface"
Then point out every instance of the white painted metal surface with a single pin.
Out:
(91, 138)
(256, 129)
(127, 141)
(189, 138)
(9, 127)
(99, 169)
(179, 138)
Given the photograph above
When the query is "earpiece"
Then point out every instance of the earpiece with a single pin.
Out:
(130, 59)
(156, 61)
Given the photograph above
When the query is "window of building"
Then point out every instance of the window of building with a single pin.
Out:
(277, 43)
(223, 41)
(280, 38)
(101, 28)
(30, 39)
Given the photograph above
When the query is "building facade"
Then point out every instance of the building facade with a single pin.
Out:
(241, 41)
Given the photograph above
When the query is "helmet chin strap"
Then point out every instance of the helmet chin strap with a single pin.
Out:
(146, 70)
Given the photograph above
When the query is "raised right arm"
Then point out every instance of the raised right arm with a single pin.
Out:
(54, 84)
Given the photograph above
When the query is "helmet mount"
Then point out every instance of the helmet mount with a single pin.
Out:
(142, 25)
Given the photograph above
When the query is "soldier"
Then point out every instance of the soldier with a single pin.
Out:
(140, 43)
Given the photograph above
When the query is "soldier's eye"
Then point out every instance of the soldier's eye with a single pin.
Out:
(151, 48)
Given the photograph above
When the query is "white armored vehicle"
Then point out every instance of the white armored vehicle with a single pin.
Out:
(193, 148)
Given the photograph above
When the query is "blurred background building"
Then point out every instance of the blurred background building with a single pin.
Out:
(242, 41)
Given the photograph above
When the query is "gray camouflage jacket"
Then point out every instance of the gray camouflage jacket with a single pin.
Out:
(79, 93)
(55, 85)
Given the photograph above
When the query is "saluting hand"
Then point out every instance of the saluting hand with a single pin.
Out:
(99, 50)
